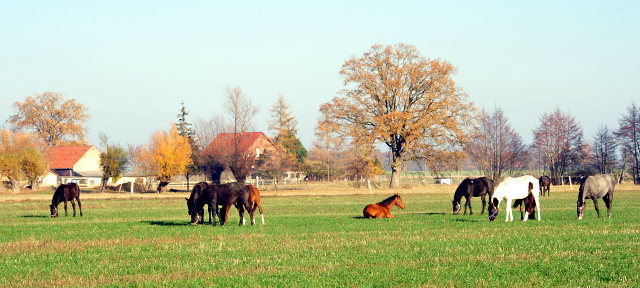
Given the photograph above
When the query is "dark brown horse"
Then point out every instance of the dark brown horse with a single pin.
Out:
(255, 197)
(201, 186)
(472, 187)
(66, 192)
(545, 185)
(594, 187)
(381, 210)
(225, 195)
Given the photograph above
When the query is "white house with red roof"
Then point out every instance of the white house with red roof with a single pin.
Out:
(80, 164)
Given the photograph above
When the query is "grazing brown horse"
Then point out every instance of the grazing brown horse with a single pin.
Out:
(224, 195)
(201, 186)
(526, 204)
(255, 197)
(381, 210)
(66, 192)
(545, 185)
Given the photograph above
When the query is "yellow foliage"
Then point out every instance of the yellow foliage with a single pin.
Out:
(403, 100)
(56, 120)
(166, 155)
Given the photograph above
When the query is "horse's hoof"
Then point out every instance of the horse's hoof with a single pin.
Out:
(194, 224)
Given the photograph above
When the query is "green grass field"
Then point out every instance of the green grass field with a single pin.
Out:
(320, 241)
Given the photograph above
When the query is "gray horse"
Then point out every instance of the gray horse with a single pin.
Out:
(594, 187)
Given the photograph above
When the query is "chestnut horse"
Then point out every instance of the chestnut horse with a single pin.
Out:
(381, 210)
(66, 192)
(255, 197)
(527, 204)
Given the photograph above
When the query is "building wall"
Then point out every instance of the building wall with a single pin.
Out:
(90, 161)
(49, 179)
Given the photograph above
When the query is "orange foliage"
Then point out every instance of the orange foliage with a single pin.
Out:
(166, 155)
(403, 100)
(21, 154)
(58, 121)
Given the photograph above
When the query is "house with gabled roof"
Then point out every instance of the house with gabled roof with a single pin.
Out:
(257, 142)
(79, 164)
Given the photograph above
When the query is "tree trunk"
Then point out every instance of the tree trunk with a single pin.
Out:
(15, 185)
(395, 172)
(35, 184)
(103, 184)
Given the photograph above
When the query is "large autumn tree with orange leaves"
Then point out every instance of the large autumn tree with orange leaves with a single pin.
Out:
(400, 98)
(57, 120)
(166, 155)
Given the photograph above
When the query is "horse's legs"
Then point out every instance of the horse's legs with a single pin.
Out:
(79, 206)
(238, 207)
(214, 206)
(250, 210)
(595, 203)
(65, 208)
(509, 210)
(73, 205)
(484, 203)
(246, 201)
(255, 204)
(209, 209)
(537, 200)
(225, 210)
(468, 203)
(608, 201)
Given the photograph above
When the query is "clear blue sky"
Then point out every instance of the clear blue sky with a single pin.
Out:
(133, 62)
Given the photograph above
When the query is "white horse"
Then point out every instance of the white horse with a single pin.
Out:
(515, 188)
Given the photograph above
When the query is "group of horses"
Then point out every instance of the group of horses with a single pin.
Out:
(241, 195)
(526, 191)
(238, 194)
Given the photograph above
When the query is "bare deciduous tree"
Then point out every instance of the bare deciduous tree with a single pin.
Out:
(495, 147)
(239, 109)
(604, 150)
(628, 135)
(229, 153)
(559, 140)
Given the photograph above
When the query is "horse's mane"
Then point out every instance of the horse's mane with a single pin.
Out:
(460, 190)
(500, 189)
(388, 201)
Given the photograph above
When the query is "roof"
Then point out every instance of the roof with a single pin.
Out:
(245, 140)
(64, 157)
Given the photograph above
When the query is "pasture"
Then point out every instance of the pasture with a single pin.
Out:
(312, 238)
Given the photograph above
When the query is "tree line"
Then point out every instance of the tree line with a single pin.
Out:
(393, 95)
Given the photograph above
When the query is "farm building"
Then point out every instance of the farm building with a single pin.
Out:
(80, 164)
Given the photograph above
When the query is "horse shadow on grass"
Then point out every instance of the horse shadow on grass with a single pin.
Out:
(467, 220)
(409, 213)
(35, 216)
(167, 223)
